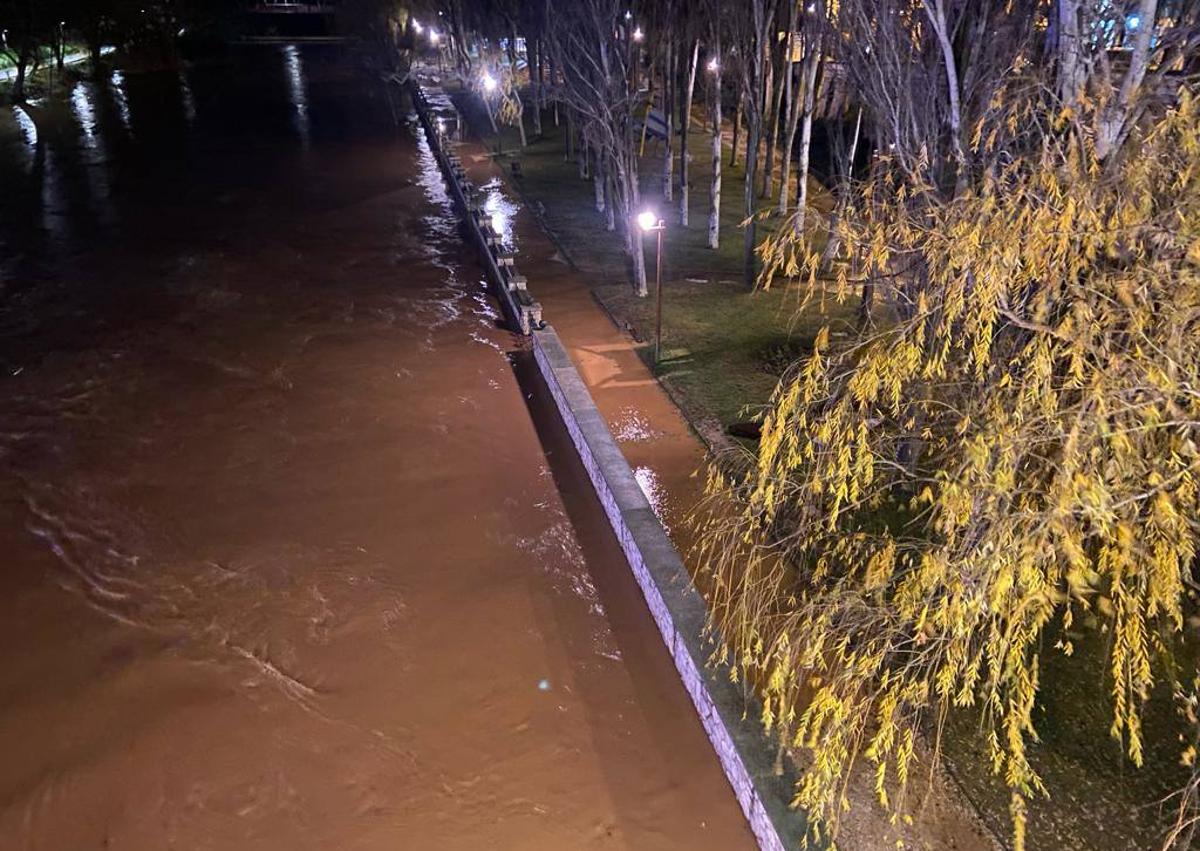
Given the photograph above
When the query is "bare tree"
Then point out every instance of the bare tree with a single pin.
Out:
(685, 123)
(789, 96)
(813, 58)
(714, 192)
(589, 44)
(751, 33)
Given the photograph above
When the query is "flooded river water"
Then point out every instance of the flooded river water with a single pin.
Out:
(295, 551)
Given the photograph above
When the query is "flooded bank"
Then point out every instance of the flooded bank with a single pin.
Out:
(297, 552)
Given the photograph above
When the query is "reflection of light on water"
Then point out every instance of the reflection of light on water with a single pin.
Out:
(501, 209)
(28, 129)
(29, 134)
(633, 427)
(430, 177)
(85, 114)
(118, 92)
(656, 495)
(84, 109)
(187, 98)
(295, 75)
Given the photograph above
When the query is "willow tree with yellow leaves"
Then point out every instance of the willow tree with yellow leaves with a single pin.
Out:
(1009, 440)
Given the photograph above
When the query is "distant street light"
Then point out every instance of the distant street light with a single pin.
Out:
(714, 66)
(489, 82)
(434, 38)
(649, 222)
(417, 28)
(638, 35)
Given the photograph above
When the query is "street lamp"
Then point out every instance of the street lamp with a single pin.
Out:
(638, 35)
(649, 222)
(714, 66)
(417, 27)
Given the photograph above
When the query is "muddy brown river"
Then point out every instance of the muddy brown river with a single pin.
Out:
(294, 553)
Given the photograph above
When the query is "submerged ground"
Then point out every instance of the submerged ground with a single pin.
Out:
(295, 555)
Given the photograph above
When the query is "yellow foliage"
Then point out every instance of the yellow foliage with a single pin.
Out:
(1017, 440)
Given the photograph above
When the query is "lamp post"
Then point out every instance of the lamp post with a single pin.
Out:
(649, 222)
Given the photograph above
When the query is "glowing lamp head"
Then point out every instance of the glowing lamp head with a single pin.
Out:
(628, 15)
(489, 82)
(714, 66)
(647, 220)
(417, 28)
(638, 35)
(434, 38)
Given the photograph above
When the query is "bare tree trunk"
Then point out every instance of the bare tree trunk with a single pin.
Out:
(633, 244)
(737, 126)
(1117, 118)
(812, 62)
(1071, 71)
(610, 207)
(95, 46)
(516, 89)
(535, 85)
(18, 89)
(768, 97)
(646, 116)
(669, 63)
(753, 131)
(685, 120)
(627, 177)
(633, 234)
(520, 117)
(462, 58)
(936, 12)
(793, 114)
(598, 179)
(772, 139)
(714, 192)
